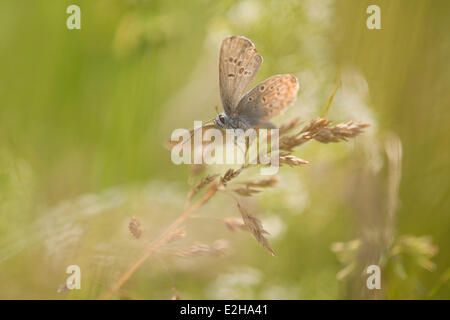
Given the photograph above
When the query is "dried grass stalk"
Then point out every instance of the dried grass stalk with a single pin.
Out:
(288, 143)
(229, 175)
(315, 126)
(255, 226)
(319, 130)
(153, 246)
(234, 224)
(289, 126)
(177, 234)
(201, 184)
(262, 183)
(175, 296)
(393, 147)
(339, 132)
(63, 288)
(291, 160)
(246, 192)
(218, 248)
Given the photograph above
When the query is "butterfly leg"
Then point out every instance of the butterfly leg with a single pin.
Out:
(238, 145)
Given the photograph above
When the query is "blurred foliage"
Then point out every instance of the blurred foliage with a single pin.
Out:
(84, 114)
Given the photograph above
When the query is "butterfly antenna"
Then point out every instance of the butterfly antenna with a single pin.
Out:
(196, 129)
(330, 101)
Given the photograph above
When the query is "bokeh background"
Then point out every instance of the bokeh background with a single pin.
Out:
(84, 115)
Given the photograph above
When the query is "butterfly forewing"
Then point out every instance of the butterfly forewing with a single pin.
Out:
(238, 65)
(268, 99)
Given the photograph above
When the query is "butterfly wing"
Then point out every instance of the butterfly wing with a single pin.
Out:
(268, 99)
(239, 63)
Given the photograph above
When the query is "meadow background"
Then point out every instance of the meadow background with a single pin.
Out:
(84, 115)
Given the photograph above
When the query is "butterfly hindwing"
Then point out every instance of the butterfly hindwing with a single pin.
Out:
(268, 99)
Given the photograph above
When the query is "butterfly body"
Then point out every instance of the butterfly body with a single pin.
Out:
(239, 63)
(226, 122)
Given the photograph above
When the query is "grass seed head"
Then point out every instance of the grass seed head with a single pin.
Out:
(135, 227)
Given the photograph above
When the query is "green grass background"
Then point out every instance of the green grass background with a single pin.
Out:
(83, 111)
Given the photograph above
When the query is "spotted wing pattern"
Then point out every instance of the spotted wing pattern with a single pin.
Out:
(239, 63)
(268, 99)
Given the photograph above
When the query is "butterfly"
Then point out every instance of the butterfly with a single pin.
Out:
(239, 63)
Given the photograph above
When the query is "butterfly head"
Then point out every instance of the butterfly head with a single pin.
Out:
(222, 120)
